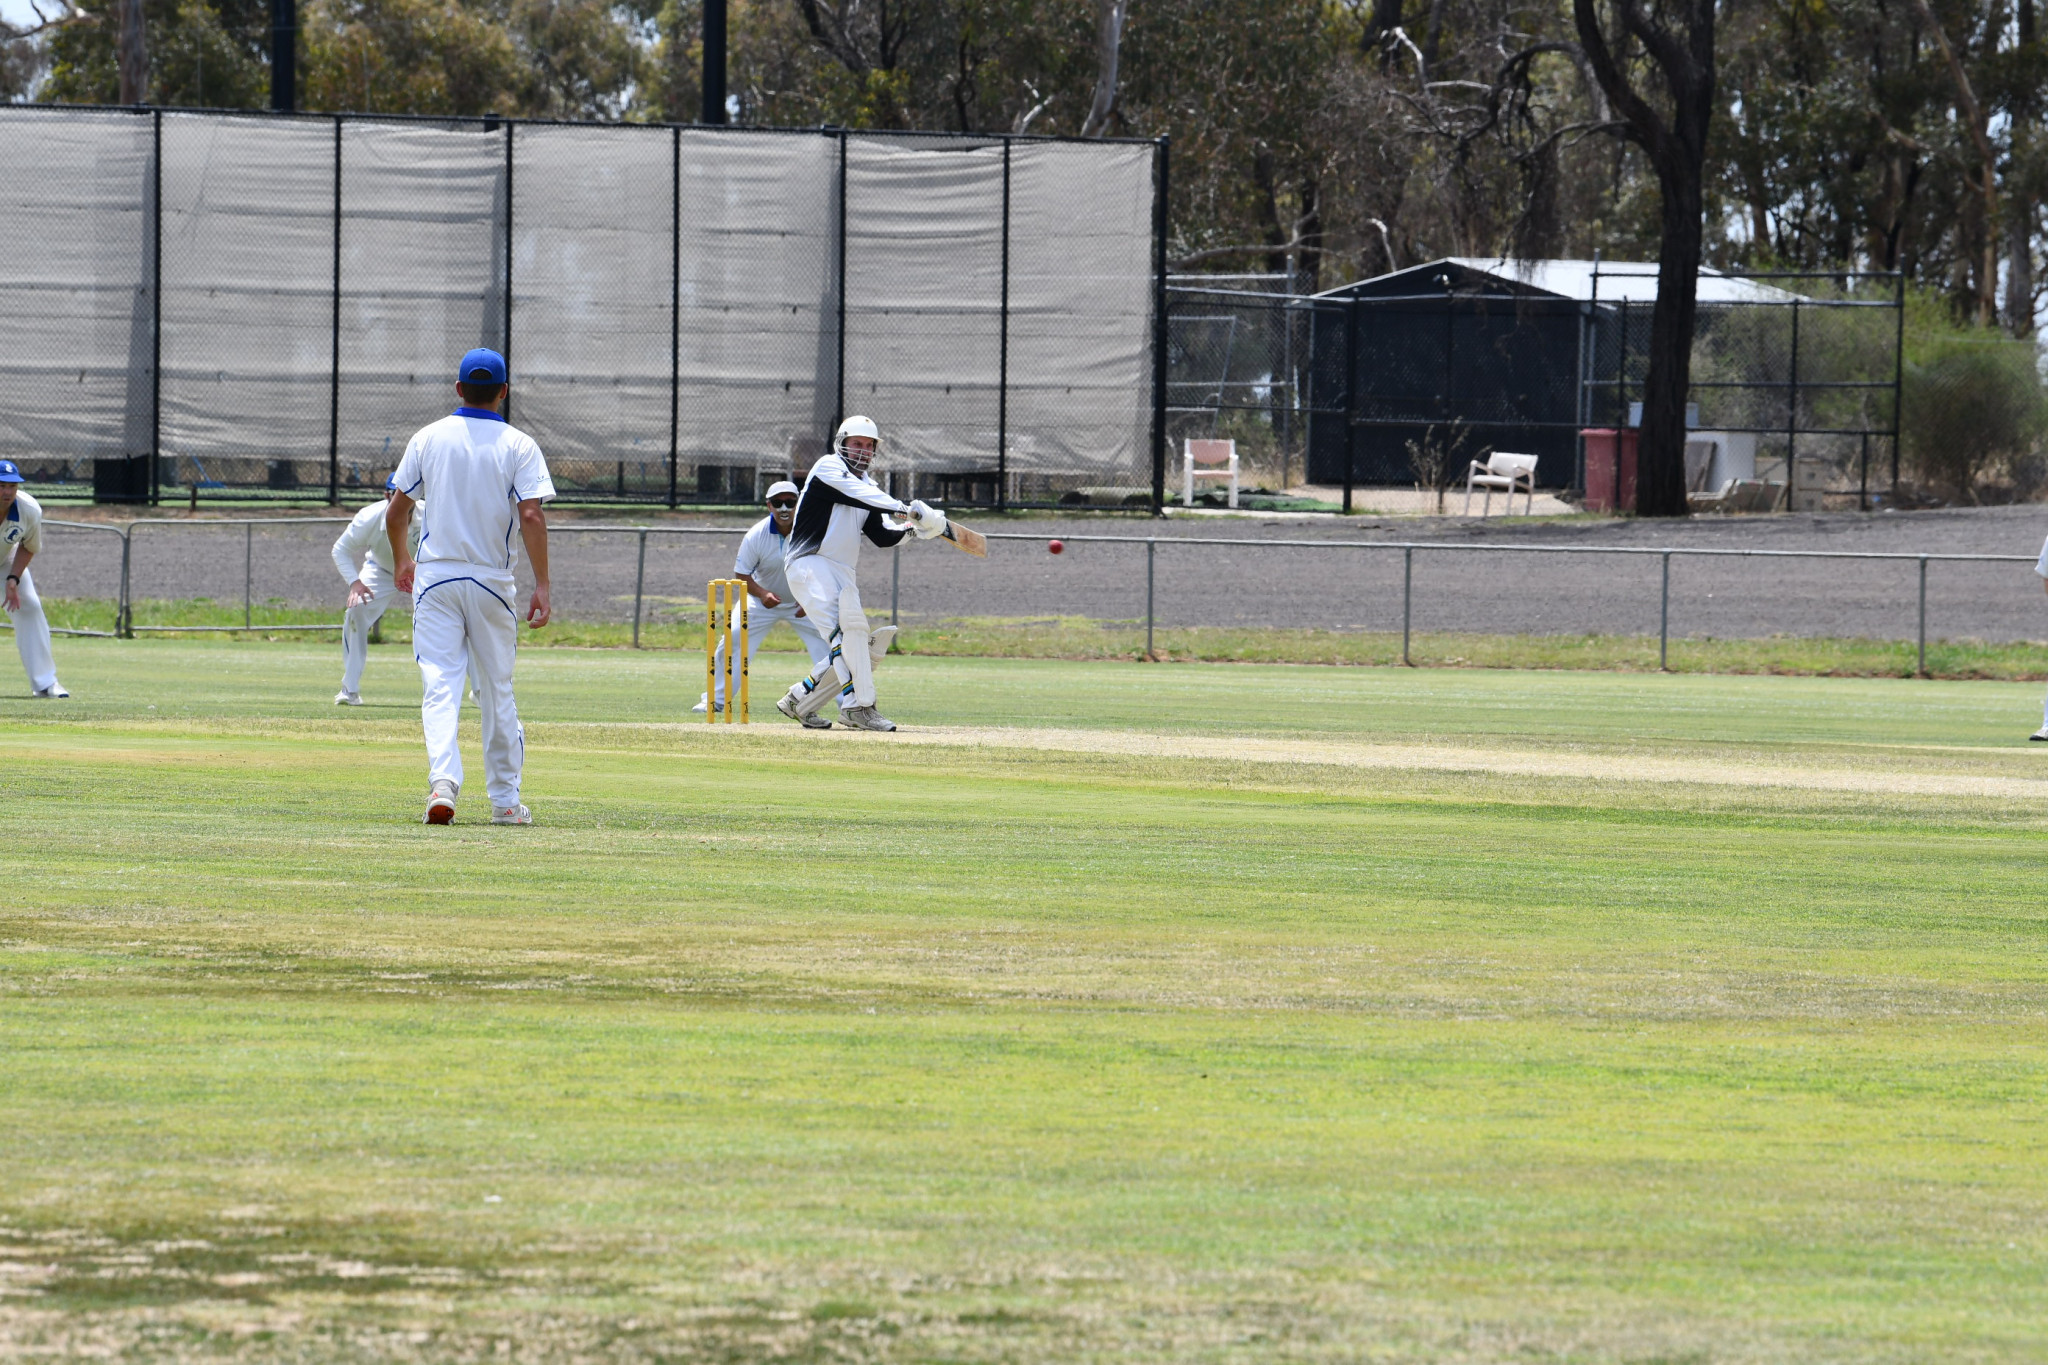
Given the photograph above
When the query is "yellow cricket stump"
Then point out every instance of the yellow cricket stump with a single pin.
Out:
(725, 601)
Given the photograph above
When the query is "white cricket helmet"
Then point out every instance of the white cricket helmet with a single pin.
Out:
(856, 426)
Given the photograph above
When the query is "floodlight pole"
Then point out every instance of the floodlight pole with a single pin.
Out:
(714, 63)
(284, 56)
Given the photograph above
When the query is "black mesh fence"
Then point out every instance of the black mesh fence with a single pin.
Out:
(1239, 354)
(210, 305)
(1405, 380)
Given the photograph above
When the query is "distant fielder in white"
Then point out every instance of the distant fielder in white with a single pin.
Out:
(760, 563)
(839, 505)
(370, 589)
(21, 530)
(483, 477)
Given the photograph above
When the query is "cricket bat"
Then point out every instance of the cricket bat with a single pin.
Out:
(966, 538)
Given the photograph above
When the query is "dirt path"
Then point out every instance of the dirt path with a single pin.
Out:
(1871, 776)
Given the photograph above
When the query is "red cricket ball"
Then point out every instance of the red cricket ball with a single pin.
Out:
(1055, 546)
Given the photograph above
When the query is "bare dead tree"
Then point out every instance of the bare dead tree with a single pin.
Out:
(1678, 38)
(1972, 114)
(1109, 39)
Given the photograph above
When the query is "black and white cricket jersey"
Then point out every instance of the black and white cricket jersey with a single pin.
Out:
(837, 508)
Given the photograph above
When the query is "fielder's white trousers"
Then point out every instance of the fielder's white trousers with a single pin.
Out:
(32, 637)
(831, 599)
(461, 626)
(761, 620)
(358, 621)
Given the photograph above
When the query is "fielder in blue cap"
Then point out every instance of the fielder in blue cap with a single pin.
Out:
(21, 530)
(478, 483)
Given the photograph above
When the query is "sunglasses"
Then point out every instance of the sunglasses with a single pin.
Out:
(782, 504)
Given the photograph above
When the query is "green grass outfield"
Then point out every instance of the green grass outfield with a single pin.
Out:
(1111, 1012)
(1080, 638)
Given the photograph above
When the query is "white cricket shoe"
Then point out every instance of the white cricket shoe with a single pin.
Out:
(54, 690)
(703, 705)
(511, 815)
(348, 698)
(864, 718)
(787, 706)
(441, 803)
(2041, 733)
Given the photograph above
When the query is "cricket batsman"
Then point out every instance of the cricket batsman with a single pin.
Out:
(370, 590)
(21, 530)
(839, 505)
(761, 564)
(485, 479)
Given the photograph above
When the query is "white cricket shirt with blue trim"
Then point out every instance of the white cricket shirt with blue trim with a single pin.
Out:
(761, 558)
(472, 469)
(22, 526)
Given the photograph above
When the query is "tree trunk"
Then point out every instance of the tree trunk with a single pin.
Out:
(131, 52)
(2019, 269)
(1678, 150)
(1973, 117)
(1660, 444)
(1109, 37)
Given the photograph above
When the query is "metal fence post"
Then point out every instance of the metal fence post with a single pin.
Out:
(1162, 166)
(1923, 616)
(1664, 618)
(156, 308)
(333, 346)
(1151, 552)
(1407, 597)
(248, 569)
(675, 308)
(124, 616)
(1003, 353)
(639, 586)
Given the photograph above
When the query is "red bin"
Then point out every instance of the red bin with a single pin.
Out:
(1610, 469)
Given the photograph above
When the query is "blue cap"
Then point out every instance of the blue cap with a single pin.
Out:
(9, 473)
(482, 366)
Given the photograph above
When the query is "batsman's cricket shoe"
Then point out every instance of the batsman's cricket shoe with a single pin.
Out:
(788, 706)
(2041, 734)
(511, 815)
(348, 698)
(864, 718)
(53, 691)
(441, 803)
(705, 704)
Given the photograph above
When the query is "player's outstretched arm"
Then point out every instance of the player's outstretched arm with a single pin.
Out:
(22, 555)
(397, 521)
(533, 530)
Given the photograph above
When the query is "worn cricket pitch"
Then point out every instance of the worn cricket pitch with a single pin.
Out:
(1111, 1011)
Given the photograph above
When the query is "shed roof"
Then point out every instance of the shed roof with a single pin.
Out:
(1631, 281)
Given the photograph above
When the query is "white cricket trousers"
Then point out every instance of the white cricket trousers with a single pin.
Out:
(460, 627)
(761, 620)
(32, 637)
(831, 599)
(357, 623)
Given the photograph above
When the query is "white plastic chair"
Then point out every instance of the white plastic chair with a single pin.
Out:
(1506, 472)
(1216, 458)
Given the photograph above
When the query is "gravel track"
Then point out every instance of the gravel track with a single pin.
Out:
(1455, 587)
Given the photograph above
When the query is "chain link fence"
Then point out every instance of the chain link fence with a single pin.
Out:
(210, 306)
(272, 573)
(1403, 379)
